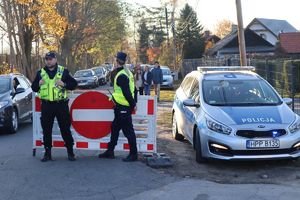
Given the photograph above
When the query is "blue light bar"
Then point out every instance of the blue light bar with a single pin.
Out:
(225, 68)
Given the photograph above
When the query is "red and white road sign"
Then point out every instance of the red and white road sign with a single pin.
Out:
(92, 115)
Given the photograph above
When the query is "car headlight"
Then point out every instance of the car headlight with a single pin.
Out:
(295, 126)
(3, 104)
(218, 127)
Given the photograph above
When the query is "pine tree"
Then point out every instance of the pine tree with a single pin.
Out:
(143, 44)
(189, 34)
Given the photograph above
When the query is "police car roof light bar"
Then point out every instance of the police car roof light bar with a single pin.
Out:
(225, 68)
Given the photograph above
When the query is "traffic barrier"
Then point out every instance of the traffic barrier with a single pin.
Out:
(91, 117)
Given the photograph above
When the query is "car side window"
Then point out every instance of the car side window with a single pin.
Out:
(194, 91)
(186, 85)
(27, 81)
(23, 83)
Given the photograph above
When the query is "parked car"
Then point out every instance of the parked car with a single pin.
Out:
(167, 78)
(86, 78)
(231, 113)
(108, 66)
(106, 73)
(15, 101)
(101, 74)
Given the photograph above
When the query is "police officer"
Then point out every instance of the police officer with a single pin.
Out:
(123, 97)
(52, 83)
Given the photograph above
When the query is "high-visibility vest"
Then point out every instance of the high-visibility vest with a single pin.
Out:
(49, 91)
(118, 94)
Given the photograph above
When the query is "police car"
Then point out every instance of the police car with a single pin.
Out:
(231, 113)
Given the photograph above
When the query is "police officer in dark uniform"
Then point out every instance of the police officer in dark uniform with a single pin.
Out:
(52, 83)
(123, 97)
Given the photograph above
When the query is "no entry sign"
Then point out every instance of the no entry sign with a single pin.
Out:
(92, 114)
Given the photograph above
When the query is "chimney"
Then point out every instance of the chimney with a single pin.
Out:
(206, 34)
(234, 28)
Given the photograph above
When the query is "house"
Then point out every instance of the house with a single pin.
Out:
(289, 44)
(269, 29)
(261, 37)
(229, 45)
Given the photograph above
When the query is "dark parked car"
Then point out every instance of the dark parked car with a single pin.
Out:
(15, 101)
(101, 74)
(86, 78)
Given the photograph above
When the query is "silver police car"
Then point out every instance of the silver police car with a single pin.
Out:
(231, 113)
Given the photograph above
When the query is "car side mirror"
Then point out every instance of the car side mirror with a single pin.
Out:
(288, 101)
(191, 103)
(19, 90)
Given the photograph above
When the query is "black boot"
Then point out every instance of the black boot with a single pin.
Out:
(107, 154)
(47, 155)
(131, 158)
(71, 155)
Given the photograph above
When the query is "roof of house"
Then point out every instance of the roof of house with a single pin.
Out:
(221, 43)
(276, 26)
(290, 42)
(229, 44)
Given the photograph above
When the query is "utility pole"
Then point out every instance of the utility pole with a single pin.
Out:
(174, 38)
(241, 34)
(167, 25)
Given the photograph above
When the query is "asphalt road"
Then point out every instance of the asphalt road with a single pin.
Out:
(23, 176)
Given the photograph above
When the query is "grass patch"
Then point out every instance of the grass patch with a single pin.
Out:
(165, 120)
(167, 94)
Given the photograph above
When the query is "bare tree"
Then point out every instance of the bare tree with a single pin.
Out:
(223, 28)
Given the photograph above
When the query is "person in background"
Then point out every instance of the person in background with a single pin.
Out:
(147, 80)
(157, 77)
(138, 79)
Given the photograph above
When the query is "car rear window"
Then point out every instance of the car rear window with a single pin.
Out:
(83, 74)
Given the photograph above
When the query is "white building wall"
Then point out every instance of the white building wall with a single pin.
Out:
(259, 30)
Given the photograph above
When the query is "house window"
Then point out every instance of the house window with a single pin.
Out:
(263, 36)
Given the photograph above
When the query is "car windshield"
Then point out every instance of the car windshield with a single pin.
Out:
(166, 71)
(86, 73)
(4, 85)
(239, 93)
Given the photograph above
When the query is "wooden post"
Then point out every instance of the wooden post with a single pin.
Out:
(241, 34)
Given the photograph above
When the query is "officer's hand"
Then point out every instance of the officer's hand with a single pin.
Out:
(60, 83)
(41, 82)
(134, 109)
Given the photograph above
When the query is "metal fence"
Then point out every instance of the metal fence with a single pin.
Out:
(282, 74)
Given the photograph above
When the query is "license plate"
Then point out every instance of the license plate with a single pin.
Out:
(262, 144)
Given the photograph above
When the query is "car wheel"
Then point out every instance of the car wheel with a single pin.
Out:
(199, 157)
(176, 134)
(13, 122)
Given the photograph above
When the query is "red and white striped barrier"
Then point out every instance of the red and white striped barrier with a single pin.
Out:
(91, 116)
